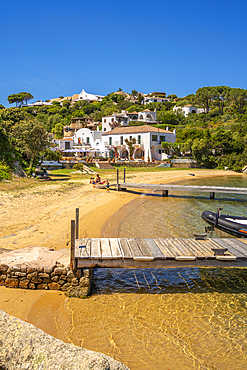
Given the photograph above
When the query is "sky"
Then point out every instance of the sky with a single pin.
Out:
(57, 48)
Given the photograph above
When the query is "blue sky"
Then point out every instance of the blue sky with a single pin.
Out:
(54, 48)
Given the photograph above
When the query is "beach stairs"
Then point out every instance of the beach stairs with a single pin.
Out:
(104, 165)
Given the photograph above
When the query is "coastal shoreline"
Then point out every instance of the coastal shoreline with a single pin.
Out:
(51, 311)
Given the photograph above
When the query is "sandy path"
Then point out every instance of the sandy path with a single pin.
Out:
(41, 215)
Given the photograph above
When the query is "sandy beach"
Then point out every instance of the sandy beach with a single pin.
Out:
(41, 216)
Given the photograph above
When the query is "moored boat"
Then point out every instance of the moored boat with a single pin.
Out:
(234, 225)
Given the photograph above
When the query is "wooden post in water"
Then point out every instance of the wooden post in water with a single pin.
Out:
(77, 223)
(72, 245)
(211, 195)
(117, 179)
(164, 193)
(124, 174)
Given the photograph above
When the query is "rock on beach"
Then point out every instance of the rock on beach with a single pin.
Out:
(23, 346)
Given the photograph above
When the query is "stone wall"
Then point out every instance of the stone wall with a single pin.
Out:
(22, 346)
(75, 283)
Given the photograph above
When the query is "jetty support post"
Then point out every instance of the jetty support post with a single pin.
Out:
(118, 179)
(72, 245)
(124, 175)
(77, 223)
(211, 196)
(164, 193)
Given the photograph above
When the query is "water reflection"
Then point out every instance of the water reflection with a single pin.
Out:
(168, 281)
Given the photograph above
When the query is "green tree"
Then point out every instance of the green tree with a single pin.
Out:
(140, 98)
(30, 139)
(204, 96)
(130, 143)
(19, 98)
(238, 97)
(134, 93)
(58, 130)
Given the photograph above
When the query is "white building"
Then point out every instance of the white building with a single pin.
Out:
(90, 97)
(148, 141)
(124, 118)
(66, 143)
(189, 109)
(154, 99)
(89, 140)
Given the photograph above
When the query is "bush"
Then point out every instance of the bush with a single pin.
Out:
(5, 172)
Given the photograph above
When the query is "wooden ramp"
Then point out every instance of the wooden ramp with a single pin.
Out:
(159, 252)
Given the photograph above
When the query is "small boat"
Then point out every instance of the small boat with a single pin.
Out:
(234, 225)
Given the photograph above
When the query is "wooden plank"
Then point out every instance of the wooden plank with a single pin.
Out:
(84, 248)
(203, 252)
(135, 250)
(116, 251)
(220, 243)
(241, 243)
(77, 249)
(205, 245)
(173, 252)
(196, 248)
(235, 247)
(181, 245)
(143, 247)
(105, 248)
(154, 249)
(125, 248)
(95, 248)
(172, 247)
(164, 249)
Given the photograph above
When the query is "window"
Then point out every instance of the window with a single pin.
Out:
(130, 138)
(112, 119)
(104, 120)
(110, 140)
(139, 139)
(87, 140)
(154, 137)
(162, 138)
(155, 100)
(121, 140)
(67, 145)
(104, 129)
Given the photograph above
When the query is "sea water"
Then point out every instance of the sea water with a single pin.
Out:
(181, 318)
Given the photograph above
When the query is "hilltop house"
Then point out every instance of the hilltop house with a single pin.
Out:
(89, 97)
(124, 118)
(148, 141)
(189, 109)
(155, 99)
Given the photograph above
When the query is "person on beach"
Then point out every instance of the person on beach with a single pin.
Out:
(107, 186)
(92, 181)
(98, 179)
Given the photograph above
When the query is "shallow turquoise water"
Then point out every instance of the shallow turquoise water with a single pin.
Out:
(181, 318)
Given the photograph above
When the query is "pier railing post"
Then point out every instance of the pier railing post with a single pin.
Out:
(72, 245)
(117, 179)
(77, 223)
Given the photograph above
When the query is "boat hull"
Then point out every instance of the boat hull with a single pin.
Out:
(229, 224)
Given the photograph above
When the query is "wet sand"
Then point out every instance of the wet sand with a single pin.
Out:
(42, 218)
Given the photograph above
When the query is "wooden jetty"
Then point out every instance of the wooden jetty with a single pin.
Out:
(159, 252)
(164, 189)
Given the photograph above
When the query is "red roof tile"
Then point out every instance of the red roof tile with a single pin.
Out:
(135, 130)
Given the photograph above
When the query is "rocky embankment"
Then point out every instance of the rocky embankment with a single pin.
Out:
(22, 346)
(43, 268)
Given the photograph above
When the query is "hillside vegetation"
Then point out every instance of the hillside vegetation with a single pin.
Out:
(216, 139)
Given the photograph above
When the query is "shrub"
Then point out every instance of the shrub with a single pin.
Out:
(5, 172)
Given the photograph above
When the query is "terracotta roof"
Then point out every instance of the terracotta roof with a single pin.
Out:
(135, 129)
(133, 113)
(146, 110)
(66, 138)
